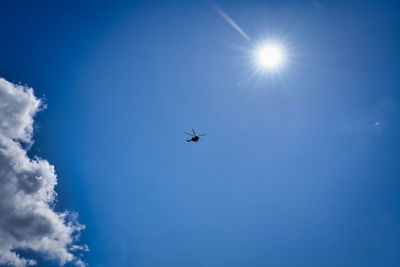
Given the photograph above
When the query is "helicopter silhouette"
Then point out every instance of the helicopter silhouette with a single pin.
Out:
(195, 137)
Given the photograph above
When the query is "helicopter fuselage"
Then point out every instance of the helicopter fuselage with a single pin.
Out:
(194, 139)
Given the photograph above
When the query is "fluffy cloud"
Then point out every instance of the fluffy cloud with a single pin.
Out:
(27, 219)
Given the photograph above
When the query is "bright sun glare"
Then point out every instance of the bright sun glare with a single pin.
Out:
(270, 56)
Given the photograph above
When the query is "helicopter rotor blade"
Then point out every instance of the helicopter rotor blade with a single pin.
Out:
(188, 134)
(194, 132)
(201, 134)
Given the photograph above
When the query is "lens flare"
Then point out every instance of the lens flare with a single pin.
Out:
(230, 21)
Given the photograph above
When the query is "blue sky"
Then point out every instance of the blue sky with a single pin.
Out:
(298, 169)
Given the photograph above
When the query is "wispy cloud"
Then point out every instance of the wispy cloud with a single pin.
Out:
(27, 219)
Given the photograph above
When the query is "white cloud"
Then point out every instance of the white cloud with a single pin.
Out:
(27, 220)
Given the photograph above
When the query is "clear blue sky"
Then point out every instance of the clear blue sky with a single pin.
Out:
(297, 170)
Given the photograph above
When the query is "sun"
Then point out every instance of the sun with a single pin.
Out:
(270, 56)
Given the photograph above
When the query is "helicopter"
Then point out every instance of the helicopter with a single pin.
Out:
(194, 137)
